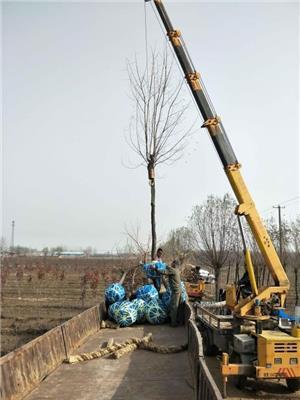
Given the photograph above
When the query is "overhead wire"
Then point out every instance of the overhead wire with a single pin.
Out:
(146, 40)
(190, 61)
(175, 58)
(282, 202)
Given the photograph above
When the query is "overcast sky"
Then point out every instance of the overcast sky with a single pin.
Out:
(67, 109)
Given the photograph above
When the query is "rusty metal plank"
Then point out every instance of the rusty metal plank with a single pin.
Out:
(207, 388)
(77, 329)
(24, 368)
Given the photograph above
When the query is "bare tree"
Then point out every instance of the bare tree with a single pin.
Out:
(178, 244)
(156, 134)
(214, 227)
(275, 233)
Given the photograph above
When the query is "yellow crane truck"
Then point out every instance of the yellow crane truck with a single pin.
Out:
(253, 342)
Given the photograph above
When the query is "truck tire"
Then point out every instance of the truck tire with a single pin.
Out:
(293, 384)
(209, 349)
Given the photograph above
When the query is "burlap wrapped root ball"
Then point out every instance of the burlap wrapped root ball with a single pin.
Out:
(114, 292)
(125, 314)
(147, 293)
(140, 306)
(156, 312)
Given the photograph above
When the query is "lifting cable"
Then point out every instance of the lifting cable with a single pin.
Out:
(146, 41)
(179, 67)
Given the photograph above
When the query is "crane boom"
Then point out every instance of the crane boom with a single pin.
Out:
(231, 166)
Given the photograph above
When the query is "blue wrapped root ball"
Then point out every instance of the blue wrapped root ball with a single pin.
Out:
(151, 273)
(155, 312)
(114, 292)
(184, 296)
(125, 314)
(166, 298)
(147, 293)
(140, 306)
(113, 309)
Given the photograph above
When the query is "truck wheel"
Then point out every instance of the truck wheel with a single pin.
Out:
(293, 384)
(209, 349)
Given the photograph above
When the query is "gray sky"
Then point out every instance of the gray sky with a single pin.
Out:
(66, 110)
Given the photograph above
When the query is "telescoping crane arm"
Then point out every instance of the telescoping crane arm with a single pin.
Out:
(232, 168)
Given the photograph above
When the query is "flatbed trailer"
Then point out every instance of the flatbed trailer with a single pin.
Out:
(36, 371)
(216, 329)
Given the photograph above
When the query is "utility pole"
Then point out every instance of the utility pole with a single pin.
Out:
(12, 245)
(280, 230)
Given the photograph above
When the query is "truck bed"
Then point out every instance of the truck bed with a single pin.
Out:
(139, 375)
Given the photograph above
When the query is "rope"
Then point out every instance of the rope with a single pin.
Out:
(119, 350)
(109, 325)
(163, 349)
(108, 350)
(131, 347)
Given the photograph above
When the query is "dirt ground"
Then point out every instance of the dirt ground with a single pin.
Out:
(38, 294)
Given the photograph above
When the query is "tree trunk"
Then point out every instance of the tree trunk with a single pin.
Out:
(153, 223)
(228, 274)
(217, 274)
(296, 287)
(237, 275)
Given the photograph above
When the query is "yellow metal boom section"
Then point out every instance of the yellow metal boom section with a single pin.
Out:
(247, 208)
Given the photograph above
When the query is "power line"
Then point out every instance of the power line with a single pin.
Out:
(282, 202)
(175, 58)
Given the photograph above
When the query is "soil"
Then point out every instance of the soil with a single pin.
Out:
(40, 293)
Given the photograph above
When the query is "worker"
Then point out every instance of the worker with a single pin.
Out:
(160, 265)
(173, 274)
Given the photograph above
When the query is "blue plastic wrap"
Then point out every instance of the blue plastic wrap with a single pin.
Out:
(166, 298)
(126, 314)
(151, 273)
(114, 292)
(140, 306)
(147, 293)
(183, 292)
(155, 312)
(112, 309)
(123, 313)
